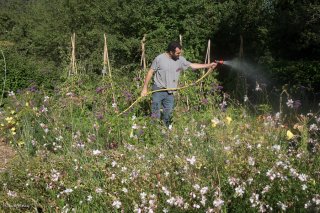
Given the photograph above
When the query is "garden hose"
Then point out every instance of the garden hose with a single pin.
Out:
(167, 89)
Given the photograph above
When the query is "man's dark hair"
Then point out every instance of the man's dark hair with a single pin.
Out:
(173, 45)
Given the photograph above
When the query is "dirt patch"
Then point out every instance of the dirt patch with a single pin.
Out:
(6, 154)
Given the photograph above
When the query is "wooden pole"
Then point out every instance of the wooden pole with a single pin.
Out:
(143, 63)
(143, 54)
(73, 68)
(105, 52)
(110, 76)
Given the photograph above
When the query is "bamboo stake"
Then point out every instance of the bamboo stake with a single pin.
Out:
(73, 69)
(105, 52)
(207, 60)
(110, 76)
(143, 55)
(143, 63)
(185, 82)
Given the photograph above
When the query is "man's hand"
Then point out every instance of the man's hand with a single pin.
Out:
(213, 65)
(144, 92)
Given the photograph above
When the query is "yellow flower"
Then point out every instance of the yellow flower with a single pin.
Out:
(228, 120)
(290, 135)
(27, 104)
(9, 119)
(12, 112)
(13, 129)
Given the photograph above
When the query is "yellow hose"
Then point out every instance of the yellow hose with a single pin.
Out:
(167, 89)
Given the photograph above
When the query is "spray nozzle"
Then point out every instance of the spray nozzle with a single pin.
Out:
(219, 61)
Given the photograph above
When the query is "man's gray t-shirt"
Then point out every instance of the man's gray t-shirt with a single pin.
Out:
(167, 70)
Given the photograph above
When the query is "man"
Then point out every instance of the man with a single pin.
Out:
(167, 68)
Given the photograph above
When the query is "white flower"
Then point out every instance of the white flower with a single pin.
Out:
(114, 105)
(304, 187)
(251, 161)
(11, 194)
(99, 190)
(196, 187)
(204, 190)
(11, 93)
(282, 206)
(245, 98)
(96, 152)
(290, 103)
(276, 147)
(116, 204)
(258, 88)
(239, 191)
(303, 177)
(89, 198)
(68, 191)
(125, 190)
(113, 164)
(192, 160)
(46, 98)
(218, 202)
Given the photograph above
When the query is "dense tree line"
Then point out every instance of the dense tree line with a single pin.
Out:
(35, 34)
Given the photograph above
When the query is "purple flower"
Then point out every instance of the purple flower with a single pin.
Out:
(128, 95)
(99, 90)
(296, 104)
(33, 88)
(204, 101)
(99, 116)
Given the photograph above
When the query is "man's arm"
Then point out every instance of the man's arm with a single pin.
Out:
(144, 91)
(203, 66)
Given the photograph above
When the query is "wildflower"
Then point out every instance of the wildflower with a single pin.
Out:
(96, 152)
(11, 93)
(89, 198)
(239, 191)
(99, 190)
(113, 164)
(290, 135)
(296, 104)
(290, 103)
(99, 90)
(245, 99)
(67, 191)
(313, 127)
(125, 190)
(303, 177)
(12, 194)
(215, 122)
(223, 105)
(251, 161)
(282, 206)
(276, 147)
(114, 105)
(192, 160)
(218, 202)
(228, 120)
(258, 88)
(304, 187)
(116, 204)
(204, 190)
